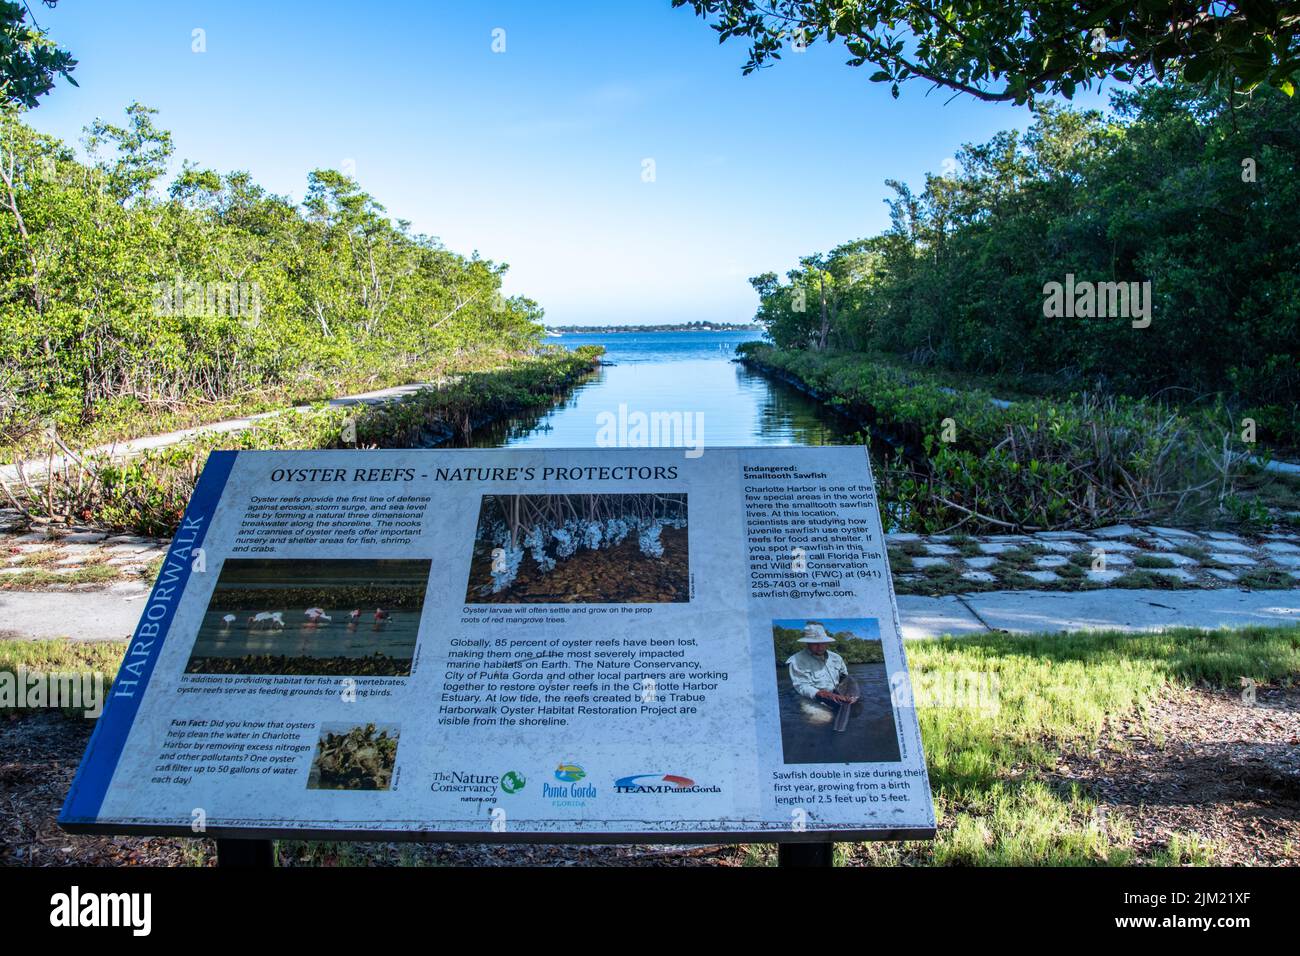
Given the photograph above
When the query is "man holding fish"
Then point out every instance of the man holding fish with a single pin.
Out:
(821, 677)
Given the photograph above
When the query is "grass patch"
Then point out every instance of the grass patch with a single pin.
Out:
(1013, 578)
(35, 578)
(991, 767)
(62, 657)
(1266, 579)
(1151, 561)
(35, 559)
(1022, 557)
(900, 562)
(991, 764)
(1138, 580)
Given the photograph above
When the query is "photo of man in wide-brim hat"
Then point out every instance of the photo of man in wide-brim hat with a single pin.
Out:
(816, 671)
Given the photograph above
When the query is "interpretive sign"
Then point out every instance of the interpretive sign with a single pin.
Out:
(566, 645)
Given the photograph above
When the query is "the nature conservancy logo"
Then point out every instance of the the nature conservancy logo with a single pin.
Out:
(570, 791)
(75, 908)
(471, 786)
(661, 783)
(477, 786)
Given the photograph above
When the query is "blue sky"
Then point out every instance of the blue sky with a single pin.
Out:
(533, 156)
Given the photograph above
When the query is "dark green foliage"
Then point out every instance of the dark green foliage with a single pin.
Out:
(1082, 461)
(1159, 193)
(998, 51)
(29, 60)
(854, 650)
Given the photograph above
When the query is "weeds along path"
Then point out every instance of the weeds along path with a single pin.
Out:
(962, 460)
(144, 490)
(125, 449)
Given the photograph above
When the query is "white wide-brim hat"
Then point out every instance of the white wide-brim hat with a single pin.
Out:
(815, 634)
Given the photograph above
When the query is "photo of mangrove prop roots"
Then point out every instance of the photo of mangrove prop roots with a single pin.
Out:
(350, 757)
(860, 730)
(580, 549)
(356, 618)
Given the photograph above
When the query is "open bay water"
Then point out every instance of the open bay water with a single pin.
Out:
(666, 372)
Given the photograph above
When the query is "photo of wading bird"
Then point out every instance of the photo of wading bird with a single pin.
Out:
(316, 617)
(266, 621)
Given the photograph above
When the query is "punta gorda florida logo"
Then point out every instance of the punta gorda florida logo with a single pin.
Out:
(661, 783)
(569, 790)
(569, 772)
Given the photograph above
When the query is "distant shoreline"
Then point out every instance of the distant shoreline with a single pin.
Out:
(680, 327)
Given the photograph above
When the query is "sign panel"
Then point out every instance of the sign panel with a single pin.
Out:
(567, 645)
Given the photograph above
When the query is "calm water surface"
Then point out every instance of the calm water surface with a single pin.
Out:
(688, 372)
(869, 738)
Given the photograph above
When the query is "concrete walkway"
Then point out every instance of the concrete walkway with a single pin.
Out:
(1104, 557)
(111, 615)
(1059, 611)
(135, 446)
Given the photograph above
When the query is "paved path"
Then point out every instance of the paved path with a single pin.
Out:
(1102, 557)
(135, 446)
(111, 615)
(1059, 611)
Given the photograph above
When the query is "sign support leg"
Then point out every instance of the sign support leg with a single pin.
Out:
(246, 853)
(805, 854)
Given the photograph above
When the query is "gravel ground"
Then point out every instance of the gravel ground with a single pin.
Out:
(39, 754)
(1204, 762)
(1200, 761)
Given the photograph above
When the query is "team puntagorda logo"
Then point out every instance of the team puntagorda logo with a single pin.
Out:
(661, 783)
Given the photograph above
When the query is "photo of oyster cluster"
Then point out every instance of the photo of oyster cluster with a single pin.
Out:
(354, 758)
(576, 549)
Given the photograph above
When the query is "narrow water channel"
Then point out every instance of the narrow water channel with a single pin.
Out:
(666, 372)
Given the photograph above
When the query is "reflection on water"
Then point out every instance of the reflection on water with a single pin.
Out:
(870, 736)
(666, 372)
(395, 637)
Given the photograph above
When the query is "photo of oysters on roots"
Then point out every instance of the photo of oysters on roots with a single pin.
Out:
(354, 758)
